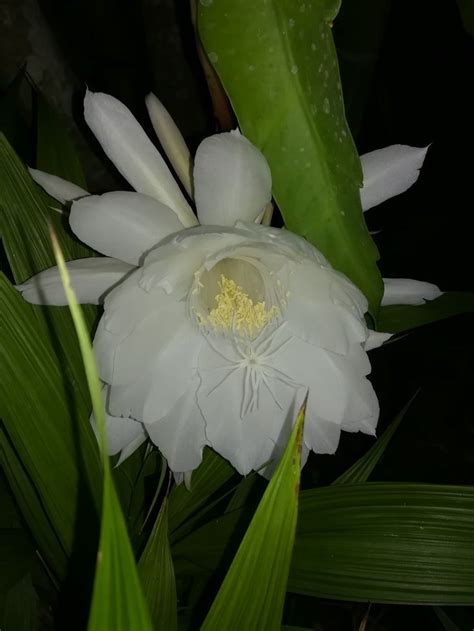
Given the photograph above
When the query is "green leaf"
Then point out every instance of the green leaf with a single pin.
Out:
(47, 422)
(386, 543)
(253, 592)
(157, 574)
(361, 470)
(29, 503)
(399, 318)
(378, 542)
(55, 152)
(211, 475)
(44, 431)
(16, 553)
(277, 62)
(19, 607)
(24, 226)
(117, 601)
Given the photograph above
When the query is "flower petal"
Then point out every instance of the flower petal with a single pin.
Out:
(376, 339)
(180, 434)
(122, 225)
(123, 434)
(91, 279)
(148, 355)
(60, 189)
(232, 180)
(247, 435)
(133, 153)
(389, 172)
(171, 140)
(405, 291)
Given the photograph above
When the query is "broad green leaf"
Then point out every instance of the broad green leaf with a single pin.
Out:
(19, 609)
(117, 601)
(24, 219)
(253, 592)
(50, 442)
(49, 546)
(16, 553)
(55, 152)
(157, 574)
(211, 475)
(379, 542)
(399, 318)
(386, 542)
(361, 470)
(277, 62)
(47, 422)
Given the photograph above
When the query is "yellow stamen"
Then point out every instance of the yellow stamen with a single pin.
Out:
(236, 310)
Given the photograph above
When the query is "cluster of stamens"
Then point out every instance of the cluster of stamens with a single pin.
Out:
(236, 311)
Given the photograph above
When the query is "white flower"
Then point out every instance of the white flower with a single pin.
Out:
(212, 334)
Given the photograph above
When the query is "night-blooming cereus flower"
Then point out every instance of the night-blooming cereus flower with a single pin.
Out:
(212, 334)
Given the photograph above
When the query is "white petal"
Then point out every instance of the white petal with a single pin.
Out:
(389, 172)
(246, 436)
(171, 140)
(180, 434)
(232, 180)
(60, 189)
(320, 435)
(123, 434)
(405, 291)
(339, 392)
(91, 279)
(133, 153)
(122, 225)
(154, 365)
(376, 339)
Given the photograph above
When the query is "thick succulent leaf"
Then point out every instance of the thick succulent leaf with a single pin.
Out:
(157, 574)
(55, 152)
(361, 470)
(399, 318)
(117, 601)
(278, 64)
(253, 592)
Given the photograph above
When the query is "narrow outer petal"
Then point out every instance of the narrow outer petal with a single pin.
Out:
(60, 189)
(405, 291)
(171, 140)
(133, 153)
(389, 172)
(91, 279)
(232, 180)
(122, 225)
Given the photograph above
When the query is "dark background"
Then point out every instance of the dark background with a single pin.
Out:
(407, 71)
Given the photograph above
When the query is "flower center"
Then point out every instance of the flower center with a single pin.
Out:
(231, 297)
(235, 309)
